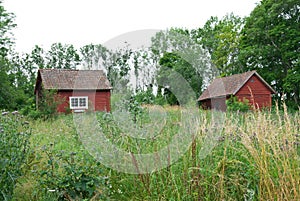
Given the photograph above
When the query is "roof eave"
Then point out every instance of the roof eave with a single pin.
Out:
(221, 96)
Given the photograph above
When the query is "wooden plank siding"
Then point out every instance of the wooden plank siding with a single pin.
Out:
(257, 93)
(99, 100)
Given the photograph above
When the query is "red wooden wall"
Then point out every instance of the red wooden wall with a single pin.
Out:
(256, 92)
(98, 100)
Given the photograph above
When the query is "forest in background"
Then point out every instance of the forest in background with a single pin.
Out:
(268, 41)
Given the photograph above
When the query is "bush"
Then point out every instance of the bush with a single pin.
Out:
(47, 106)
(14, 149)
(71, 176)
(233, 104)
(145, 97)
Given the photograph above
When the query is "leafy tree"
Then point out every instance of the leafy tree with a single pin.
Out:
(95, 57)
(6, 25)
(22, 77)
(185, 69)
(270, 44)
(143, 69)
(221, 39)
(119, 71)
(174, 49)
(62, 56)
(37, 58)
(7, 93)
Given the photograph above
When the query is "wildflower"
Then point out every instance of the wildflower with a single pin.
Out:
(44, 148)
(221, 139)
(15, 112)
(5, 113)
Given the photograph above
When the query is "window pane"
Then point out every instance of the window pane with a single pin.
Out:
(74, 102)
(82, 102)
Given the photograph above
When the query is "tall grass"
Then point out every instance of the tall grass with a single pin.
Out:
(254, 156)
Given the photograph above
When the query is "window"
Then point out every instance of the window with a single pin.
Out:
(80, 102)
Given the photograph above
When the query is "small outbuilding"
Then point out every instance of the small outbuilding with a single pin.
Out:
(76, 90)
(249, 85)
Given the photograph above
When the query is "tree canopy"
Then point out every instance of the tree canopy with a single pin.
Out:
(270, 44)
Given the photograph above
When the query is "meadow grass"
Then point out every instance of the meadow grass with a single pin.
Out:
(255, 156)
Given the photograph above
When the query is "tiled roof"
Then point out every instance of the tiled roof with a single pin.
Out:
(229, 85)
(73, 79)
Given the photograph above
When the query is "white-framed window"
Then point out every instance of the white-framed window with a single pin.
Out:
(78, 102)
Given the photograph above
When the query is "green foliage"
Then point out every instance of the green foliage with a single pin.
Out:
(174, 62)
(221, 38)
(14, 149)
(175, 50)
(249, 161)
(270, 44)
(145, 97)
(135, 108)
(233, 104)
(6, 25)
(93, 56)
(9, 94)
(47, 105)
(160, 100)
(63, 56)
(71, 176)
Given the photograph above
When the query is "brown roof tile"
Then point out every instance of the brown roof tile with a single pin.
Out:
(229, 85)
(73, 79)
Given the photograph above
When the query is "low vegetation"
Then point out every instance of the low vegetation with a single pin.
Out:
(14, 149)
(255, 157)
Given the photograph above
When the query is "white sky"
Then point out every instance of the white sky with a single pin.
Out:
(81, 22)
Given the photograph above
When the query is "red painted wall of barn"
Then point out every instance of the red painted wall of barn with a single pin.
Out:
(256, 92)
(98, 100)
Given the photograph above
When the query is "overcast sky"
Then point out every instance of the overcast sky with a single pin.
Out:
(81, 22)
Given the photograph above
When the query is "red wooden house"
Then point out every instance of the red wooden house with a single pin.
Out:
(77, 90)
(249, 85)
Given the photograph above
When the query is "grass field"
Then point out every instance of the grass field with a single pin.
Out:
(255, 156)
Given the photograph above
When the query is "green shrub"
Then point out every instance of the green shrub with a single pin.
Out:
(47, 106)
(160, 100)
(71, 176)
(14, 149)
(233, 104)
(145, 97)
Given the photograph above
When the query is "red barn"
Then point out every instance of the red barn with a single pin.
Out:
(77, 90)
(249, 85)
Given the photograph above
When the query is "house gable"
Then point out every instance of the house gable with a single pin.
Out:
(256, 92)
